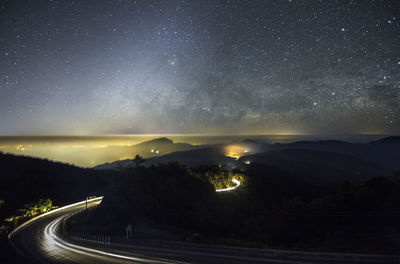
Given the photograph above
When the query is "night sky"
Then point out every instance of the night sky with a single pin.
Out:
(265, 67)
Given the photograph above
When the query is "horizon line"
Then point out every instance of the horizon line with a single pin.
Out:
(189, 134)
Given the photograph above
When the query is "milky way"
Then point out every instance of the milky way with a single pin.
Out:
(264, 67)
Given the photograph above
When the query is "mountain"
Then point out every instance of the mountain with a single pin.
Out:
(159, 146)
(319, 166)
(192, 158)
(152, 148)
(315, 161)
(388, 140)
(384, 152)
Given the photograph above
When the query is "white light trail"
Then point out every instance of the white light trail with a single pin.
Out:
(53, 243)
(52, 239)
(230, 188)
(52, 212)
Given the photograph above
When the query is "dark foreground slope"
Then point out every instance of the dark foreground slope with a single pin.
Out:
(272, 208)
(25, 180)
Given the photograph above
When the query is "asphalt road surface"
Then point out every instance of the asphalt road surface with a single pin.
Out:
(40, 241)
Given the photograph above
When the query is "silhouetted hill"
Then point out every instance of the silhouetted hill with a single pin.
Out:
(384, 152)
(25, 179)
(319, 166)
(147, 149)
(389, 140)
(192, 158)
(162, 145)
(343, 160)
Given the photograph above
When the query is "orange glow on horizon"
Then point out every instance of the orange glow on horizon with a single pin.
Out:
(235, 151)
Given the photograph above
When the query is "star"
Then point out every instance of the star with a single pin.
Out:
(242, 68)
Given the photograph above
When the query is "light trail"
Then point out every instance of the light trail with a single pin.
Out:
(230, 188)
(51, 239)
(54, 246)
(17, 229)
(52, 242)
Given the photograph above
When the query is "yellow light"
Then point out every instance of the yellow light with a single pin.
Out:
(22, 147)
(230, 188)
(234, 151)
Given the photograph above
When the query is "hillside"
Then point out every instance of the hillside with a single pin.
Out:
(319, 166)
(25, 179)
(315, 161)
(383, 152)
(193, 158)
(272, 208)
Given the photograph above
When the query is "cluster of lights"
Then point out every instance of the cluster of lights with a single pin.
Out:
(21, 147)
(155, 151)
(235, 151)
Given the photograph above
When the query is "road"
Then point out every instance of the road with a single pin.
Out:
(40, 241)
(237, 184)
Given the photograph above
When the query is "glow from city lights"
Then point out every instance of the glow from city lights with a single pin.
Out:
(234, 151)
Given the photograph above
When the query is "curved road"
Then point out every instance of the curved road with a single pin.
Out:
(39, 240)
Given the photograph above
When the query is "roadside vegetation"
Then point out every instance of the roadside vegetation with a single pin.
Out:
(30, 210)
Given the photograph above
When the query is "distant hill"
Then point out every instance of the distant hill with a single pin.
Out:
(192, 158)
(319, 166)
(388, 140)
(159, 146)
(326, 161)
(384, 152)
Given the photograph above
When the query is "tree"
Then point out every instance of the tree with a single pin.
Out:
(138, 160)
(41, 206)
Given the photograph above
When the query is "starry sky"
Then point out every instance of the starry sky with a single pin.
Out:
(241, 67)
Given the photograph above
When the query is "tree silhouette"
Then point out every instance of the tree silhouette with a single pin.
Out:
(138, 160)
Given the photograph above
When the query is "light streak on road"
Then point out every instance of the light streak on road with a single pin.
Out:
(39, 239)
(54, 245)
(230, 188)
(52, 240)
(97, 200)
